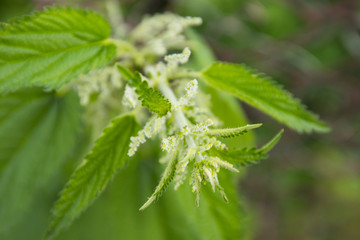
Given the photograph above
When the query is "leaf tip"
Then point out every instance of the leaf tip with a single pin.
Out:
(147, 203)
(271, 144)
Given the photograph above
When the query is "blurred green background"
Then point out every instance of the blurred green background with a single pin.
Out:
(310, 186)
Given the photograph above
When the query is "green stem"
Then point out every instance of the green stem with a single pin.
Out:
(185, 74)
(113, 9)
(124, 47)
(179, 115)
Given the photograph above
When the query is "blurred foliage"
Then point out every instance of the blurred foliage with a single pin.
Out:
(310, 186)
(12, 8)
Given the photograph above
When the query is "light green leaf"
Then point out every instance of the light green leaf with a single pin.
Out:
(228, 110)
(165, 180)
(226, 220)
(232, 132)
(125, 72)
(264, 94)
(108, 155)
(247, 156)
(174, 216)
(37, 134)
(224, 106)
(50, 48)
(271, 144)
(118, 209)
(149, 97)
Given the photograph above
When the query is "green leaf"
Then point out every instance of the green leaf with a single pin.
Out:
(246, 156)
(232, 132)
(165, 180)
(125, 72)
(108, 155)
(37, 134)
(224, 220)
(264, 94)
(50, 48)
(149, 97)
(228, 110)
(224, 106)
(174, 216)
(271, 144)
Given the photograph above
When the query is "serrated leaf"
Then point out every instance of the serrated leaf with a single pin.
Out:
(271, 144)
(37, 134)
(125, 72)
(264, 94)
(149, 97)
(246, 156)
(173, 217)
(232, 132)
(153, 100)
(50, 48)
(223, 106)
(164, 181)
(108, 155)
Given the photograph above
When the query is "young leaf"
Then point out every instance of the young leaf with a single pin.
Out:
(50, 48)
(232, 132)
(228, 219)
(247, 156)
(164, 182)
(125, 72)
(98, 168)
(262, 93)
(37, 134)
(223, 106)
(174, 216)
(223, 220)
(149, 97)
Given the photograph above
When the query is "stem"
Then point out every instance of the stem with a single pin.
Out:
(122, 46)
(185, 74)
(179, 115)
(116, 18)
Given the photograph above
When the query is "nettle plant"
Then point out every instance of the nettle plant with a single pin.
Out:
(61, 67)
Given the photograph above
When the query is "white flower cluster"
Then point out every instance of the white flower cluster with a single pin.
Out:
(187, 140)
(169, 144)
(177, 58)
(200, 111)
(98, 81)
(191, 90)
(206, 170)
(151, 128)
(156, 71)
(205, 167)
(172, 61)
(203, 127)
(160, 32)
(130, 97)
